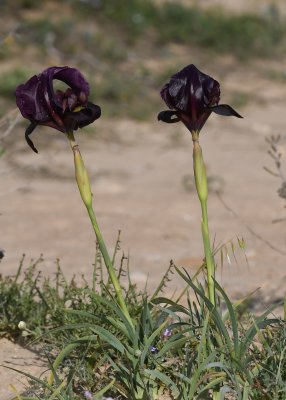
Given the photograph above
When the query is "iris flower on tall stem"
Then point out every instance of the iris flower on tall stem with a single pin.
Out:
(67, 111)
(191, 97)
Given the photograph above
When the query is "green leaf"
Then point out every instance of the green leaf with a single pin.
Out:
(197, 373)
(150, 341)
(57, 391)
(155, 374)
(113, 306)
(172, 345)
(260, 323)
(232, 319)
(119, 325)
(108, 337)
(33, 378)
(66, 351)
(101, 392)
(214, 313)
(176, 307)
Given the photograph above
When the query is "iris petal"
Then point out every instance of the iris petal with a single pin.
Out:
(28, 132)
(73, 78)
(79, 119)
(226, 110)
(30, 101)
(168, 116)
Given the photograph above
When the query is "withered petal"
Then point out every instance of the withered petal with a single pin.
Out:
(168, 116)
(28, 132)
(225, 110)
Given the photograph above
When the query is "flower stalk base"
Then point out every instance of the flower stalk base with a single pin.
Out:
(83, 183)
(202, 190)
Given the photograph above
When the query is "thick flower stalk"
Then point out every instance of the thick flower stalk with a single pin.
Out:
(191, 97)
(67, 111)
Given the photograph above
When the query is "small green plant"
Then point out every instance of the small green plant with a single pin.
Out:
(36, 300)
(18, 301)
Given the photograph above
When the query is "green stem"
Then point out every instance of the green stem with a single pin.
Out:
(208, 252)
(202, 190)
(86, 195)
(108, 264)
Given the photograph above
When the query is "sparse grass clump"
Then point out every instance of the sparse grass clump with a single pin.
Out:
(36, 300)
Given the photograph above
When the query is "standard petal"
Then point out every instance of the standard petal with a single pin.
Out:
(74, 79)
(226, 110)
(30, 100)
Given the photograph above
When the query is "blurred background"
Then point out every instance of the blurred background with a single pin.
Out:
(141, 170)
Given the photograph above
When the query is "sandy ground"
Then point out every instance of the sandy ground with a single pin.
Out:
(142, 185)
(21, 359)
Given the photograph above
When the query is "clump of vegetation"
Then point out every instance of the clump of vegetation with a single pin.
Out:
(180, 350)
(37, 300)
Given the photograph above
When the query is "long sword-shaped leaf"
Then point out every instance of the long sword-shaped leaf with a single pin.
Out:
(166, 380)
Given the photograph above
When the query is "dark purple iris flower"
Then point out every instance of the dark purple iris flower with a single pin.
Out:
(65, 111)
(192, 96)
